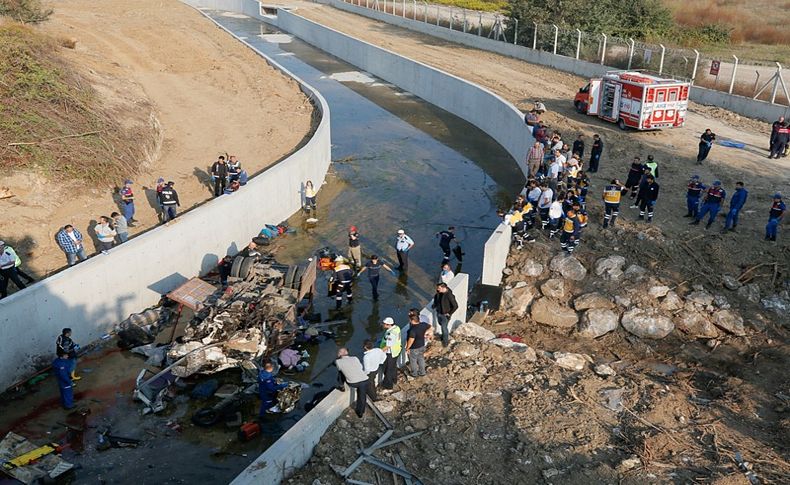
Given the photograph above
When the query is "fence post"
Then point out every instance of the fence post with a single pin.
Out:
(425, 12)
(578, 43)
(535, 37)
(479, 24)
(696, 63)
(414, 10)
(515, 33)
(367, 3)
(603, 51)
(556, 35)
(451, 18)
(437, 15)
(734, 71)
(661, 63)
(464, 20)
(403, 12)
(756, 81)
(631, 48)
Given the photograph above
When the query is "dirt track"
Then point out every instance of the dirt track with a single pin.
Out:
(166, 70)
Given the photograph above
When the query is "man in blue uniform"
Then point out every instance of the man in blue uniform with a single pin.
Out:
(775, 217)
(61, 369)
(65, 344)
(268, 387)
(693, 193)
(445, 238)
(714, 197)
(737, 201)
(127, 199)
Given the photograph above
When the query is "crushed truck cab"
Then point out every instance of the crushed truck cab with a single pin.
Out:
(635, 99)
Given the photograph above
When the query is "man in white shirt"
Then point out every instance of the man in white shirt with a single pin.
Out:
(403, 245)
(546, 197)
(554, 170)
(372, 361)
(447, 274)
(350, 372)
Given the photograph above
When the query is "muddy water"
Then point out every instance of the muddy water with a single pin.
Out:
(399, 162)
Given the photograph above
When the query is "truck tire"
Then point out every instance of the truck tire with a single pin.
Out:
(578, 106)
(297, 284)
(234, 269)
(246, 266)
(621, 124)
(289, 276)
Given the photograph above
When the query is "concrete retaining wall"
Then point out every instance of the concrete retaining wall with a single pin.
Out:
(495, 254)
(739, 104)
(95, 295)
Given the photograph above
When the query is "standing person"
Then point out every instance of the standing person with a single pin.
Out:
(121, 227)
(224, 267)
(17, 261)
(780, 141)
(373, 267)
(445, 238)
(350, 371)
(70, 242)
(737, 201)
(714, 197)
(648, 195)
(595, 153)
(775, 216)
(60, 367)
(105, 233)
(160, 184)
(391, 345)
(403, 245)
(372, 361)
(578, 146)
(127, 200)
(554, 170)
(65, 344)
(611, 202)
(8, 271)
(219, 174)
(354, 248)
(445, 305)
(309, 195)
(533, 192)
(556, 213)
(344, 276)
(268, 387)
(693, 193)
(544, 204)
(170, 202)
(635, 173)
(705, 143)
(416, 337)
(652, 165)
(535, 159)
(775, 131)
(570, 231)
(234, 168)
(447, 275)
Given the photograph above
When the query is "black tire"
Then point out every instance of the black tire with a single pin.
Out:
(246, 266)
(261, 240)
(621, 124)
(578, 106)
(297, 284)
(205, 417)
(289, 276)
(234, 269)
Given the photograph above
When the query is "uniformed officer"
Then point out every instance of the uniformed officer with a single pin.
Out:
(60, 366)
(448, 236)
(127, 199)
(403, 245)
(652, 165)
(570, 231)
(169, 200)
(693, 193)
(373, 267)
(714, 197)
(8, 269)
(611, 201)
(737, 201)
(65, 344)
(775, 216)
(344, 276)
(648, 195)
(234, 168)
(268, 387)
(391, 344)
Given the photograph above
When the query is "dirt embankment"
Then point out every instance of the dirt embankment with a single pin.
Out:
(179, 91)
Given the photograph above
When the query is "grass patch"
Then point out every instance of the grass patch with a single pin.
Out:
(483, 5)
(25, 11)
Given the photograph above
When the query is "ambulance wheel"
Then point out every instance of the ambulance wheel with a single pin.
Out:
(578, 105)
(246, 266)
(621, 124)
(234, 269)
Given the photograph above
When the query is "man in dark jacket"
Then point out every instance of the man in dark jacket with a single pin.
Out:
(595, 154)
(578, 147)
(219, 174)
(648, 195)
(445, 305)
(168, 198)
(737, 201)
(705, 142)
(775, 131)
(268, 387)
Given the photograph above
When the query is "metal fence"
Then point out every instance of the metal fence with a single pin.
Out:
(758, 80)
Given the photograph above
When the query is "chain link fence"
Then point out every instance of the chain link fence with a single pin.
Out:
(755, 79)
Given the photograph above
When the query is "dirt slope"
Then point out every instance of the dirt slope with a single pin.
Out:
(198, 93)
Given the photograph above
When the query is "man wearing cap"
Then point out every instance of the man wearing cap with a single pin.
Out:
(372, 361)
(344, 275)
(391, 345)
(373, 267)
(169, 199)
(693, 193)
(445, 305)
(8, 269)
(354, 248)
(127, 202)
(712, 203)
(416, 336)
(403, 245)
(775, 216)
(70, 241)
(737, 201)
(350, 371)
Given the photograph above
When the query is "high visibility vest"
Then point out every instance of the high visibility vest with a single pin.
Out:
(582, 219)
(611, 194)
(394, 334)
(652, 166)
(569, 225)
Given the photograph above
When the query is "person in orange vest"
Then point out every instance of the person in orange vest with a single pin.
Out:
(570, 231)
(611, 201)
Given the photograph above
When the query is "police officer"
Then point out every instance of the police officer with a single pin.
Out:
(648, 195)
(693, 193)
(354, 248)
(8, 269)
(391, 345)
(169, 199)
(737, 201)
(403, 245)
(714, 197)
(446, 237)
(775, 216)
(373, 267)
(595, 153)
(127, 198)
(611, 202)
(780, 141)
(344, 276)
(219, 174)
(234, 168)
(570, 231)
(60, 366)
(652, 165)
(64, 344)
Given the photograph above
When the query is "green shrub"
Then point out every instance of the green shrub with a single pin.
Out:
(25, 11)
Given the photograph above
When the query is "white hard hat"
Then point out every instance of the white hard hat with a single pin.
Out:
(388, 321)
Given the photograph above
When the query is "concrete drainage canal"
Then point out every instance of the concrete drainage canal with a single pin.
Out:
(398, 163)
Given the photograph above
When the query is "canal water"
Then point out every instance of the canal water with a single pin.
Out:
(399, 163)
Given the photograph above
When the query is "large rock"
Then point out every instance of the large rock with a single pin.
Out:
(473, 330)
(533, 269)
(569, 267)
(780, 304)
(610, 267)
(553, 288)
(548, 312)
(598, 322)
(701, 298)
(647, 323)
(592, 300)
(671, 302)
(517, 300)
(570, 361)
(635, 272)
(696, 324)
(751, 292)
(729, 321)
(730, 282)
(658, 291)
